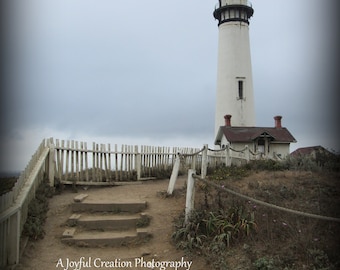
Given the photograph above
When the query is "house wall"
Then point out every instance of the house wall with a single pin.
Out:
(224, 142)
(281, 149)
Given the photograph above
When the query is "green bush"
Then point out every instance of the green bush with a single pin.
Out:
(323, 161)
(6, 184)
(189, 236)
(214, 230)
(264, 263)
(266, 165)
(164, 173)
(302, 163)
(232, 172)
(37, 212)
(319, 259)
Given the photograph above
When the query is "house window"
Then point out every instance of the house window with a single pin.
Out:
(261, 145)
(240, 90)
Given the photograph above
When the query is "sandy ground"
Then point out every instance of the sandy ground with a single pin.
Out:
(51, 253)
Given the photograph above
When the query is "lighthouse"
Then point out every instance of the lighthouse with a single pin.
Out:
(234, 87)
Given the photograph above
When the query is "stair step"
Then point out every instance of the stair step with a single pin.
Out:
(80, 197)
(107, 238)
(101, 222)
(104, 222)
(69, 233)
(115, 207)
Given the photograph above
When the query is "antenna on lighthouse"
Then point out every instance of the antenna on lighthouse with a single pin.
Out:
(234, 88)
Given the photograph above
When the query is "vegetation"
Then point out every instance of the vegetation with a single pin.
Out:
(327, 162)
(144, 221)
(236, 234)
(6, 184)
(37, 212)
(215, 230)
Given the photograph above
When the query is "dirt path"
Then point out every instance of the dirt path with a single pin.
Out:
(48, 252)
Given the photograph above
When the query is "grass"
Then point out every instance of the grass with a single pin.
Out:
(259, 237)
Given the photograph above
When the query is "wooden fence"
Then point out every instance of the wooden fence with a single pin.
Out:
(14, 205)
(72, 162)
(210, 159)
(104, 164)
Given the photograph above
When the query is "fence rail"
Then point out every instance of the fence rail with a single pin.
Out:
(190, 198)
(103, 164)
(212, 158)
(14, 205)
(72, 162)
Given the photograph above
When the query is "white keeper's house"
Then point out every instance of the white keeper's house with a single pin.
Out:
(269, 142)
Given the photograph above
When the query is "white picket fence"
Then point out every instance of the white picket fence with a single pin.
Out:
(72, 162)
(211, 158)
(14, 205)
(107, 164)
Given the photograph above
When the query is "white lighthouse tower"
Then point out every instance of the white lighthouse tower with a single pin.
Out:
(234, 93)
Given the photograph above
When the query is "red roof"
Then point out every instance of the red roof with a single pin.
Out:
(248, 134)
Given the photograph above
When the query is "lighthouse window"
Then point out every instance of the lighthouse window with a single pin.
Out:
(240, 90)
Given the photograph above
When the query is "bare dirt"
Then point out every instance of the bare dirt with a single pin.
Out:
(47, 252)
(305, 191)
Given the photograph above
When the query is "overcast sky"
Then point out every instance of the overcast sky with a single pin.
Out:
(144, 72)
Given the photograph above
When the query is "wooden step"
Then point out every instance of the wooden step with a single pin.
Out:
(106, 238)
(114, 207)
(80, 197)
(109, 222)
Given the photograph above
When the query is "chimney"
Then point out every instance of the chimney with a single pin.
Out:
(227, 118)
(278, 121)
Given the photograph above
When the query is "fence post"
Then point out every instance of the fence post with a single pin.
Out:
(138, 162)
(193, 161)
(174, 175)
(190, 196)
(204, 161)
(51, 162)
(14, 239)
(228, 156)
(247, 154)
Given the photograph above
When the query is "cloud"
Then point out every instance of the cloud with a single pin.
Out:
(146, 71)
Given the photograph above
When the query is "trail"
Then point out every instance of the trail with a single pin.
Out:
(51, 253)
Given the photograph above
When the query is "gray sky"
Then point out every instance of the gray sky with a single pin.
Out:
(144, 72)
